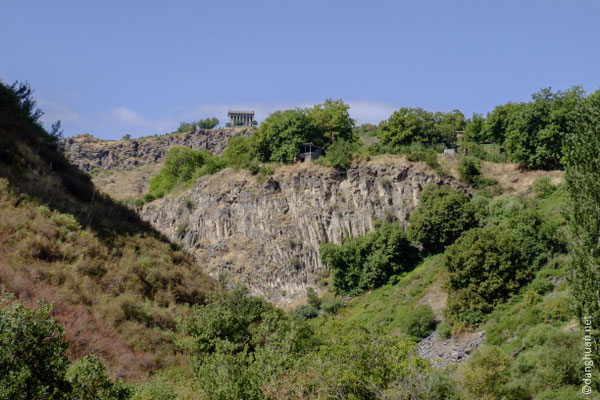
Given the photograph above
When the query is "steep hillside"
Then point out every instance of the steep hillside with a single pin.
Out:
(267, 235)
(116, 283)
(90, 153)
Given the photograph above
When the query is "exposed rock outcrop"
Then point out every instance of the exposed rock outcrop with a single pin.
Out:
(89, 153)
(267, 235)
(454, 350)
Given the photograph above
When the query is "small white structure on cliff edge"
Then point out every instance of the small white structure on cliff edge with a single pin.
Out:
(240, 118)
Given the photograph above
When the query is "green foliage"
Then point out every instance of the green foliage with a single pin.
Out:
(240, 152)
(468, 169)
(32, 352)
(238, 343)
(368, 261)
(444, 330)
(485, 374)
(331, 122)
(89, 380)
(583, 186)
(474, 127)
(488, 152)
(419, 322)
(363, 365)
(485, 267)
(207, 123)
(409, 125)
(442, 215)
(366, 130)
(339, 153)
(126, 137)
(332, 306)
(313, 298)
(182, 166)
(419, 152)
(279, 136)
(542, 187)
(534, 137)
(306, 311)
(497, 123)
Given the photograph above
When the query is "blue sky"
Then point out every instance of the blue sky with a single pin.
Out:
(140, 67)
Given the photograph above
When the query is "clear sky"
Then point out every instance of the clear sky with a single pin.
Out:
(140, 67)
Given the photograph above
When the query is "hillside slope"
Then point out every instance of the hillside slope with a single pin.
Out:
(116, 283)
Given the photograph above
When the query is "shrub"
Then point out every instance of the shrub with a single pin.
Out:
(183, 166)
(32, 352)
(238, 342)
(485, 374)
(240, 152)
(542, 187)
(441, 216)
(332, 306)
(485, 267)
(339, 153)
(444, 330)
(305, 312)
(468, 170)
(419, 322)
(126, 137)
(313, 298)
(89, 380)
(368, 261)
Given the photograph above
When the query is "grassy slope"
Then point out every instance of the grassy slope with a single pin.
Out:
(117, 284)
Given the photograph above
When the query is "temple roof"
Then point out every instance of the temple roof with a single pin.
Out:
(240, 112)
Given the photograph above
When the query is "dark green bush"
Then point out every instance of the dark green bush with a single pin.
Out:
(32, 352)
(313, 298)
(332, 306)
(441, 216)
(368, 261)
(485, 267)
(419, 322)
(306, 312)
(468, 170)
(240, 152)
(340, 153)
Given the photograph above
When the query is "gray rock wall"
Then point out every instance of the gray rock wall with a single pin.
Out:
(88, 152)
(267, 235)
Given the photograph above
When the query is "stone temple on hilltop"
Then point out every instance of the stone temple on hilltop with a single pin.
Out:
(243, 118)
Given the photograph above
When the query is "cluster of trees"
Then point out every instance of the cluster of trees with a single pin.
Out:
(532, 133)
(207, 123)
(415, 125)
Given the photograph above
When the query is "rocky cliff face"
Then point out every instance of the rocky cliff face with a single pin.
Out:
(267, 235)
(88, 152)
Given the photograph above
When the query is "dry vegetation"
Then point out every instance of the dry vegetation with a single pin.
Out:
(117, 285)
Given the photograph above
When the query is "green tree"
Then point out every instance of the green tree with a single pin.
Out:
(207, 123)
(411, 125)
(497, 123)
(468, 170)
(442, 215)
(474, 128)
(32, 352)
(583, 185)
(240, 151)
(485, 267)
(89, 380)
(332, 120)
(534, 138)
(279, 136)
(186, 127)
(368, 261)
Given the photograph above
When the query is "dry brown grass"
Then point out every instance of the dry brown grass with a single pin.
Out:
(510, 178)
(131, 184)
